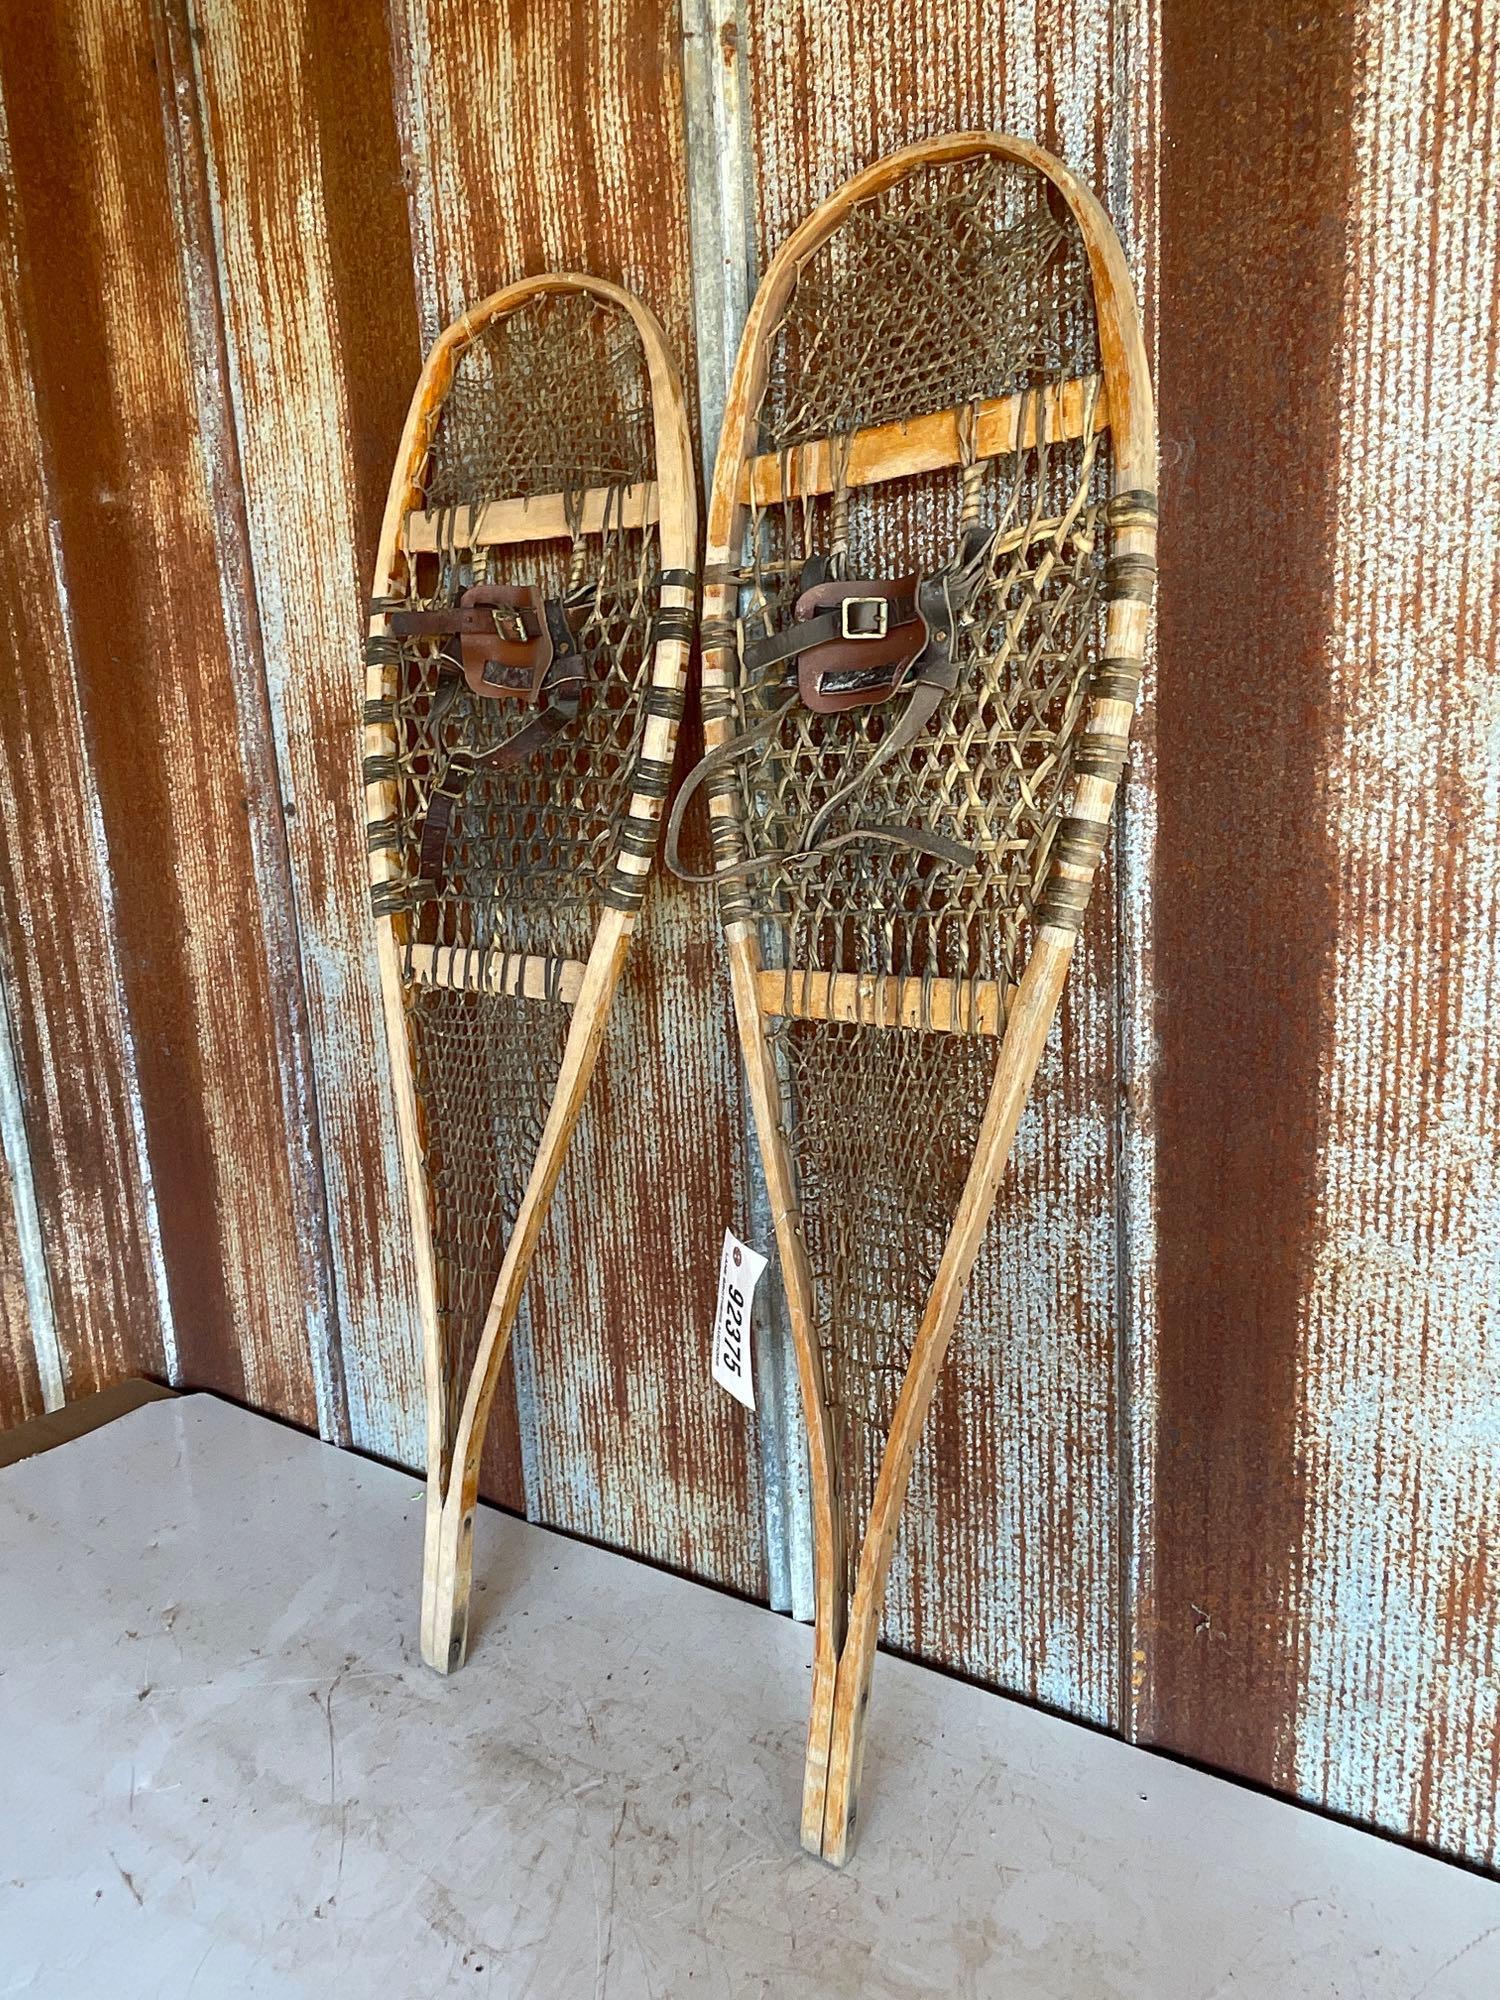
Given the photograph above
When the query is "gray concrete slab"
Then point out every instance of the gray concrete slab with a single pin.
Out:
(226, 1772)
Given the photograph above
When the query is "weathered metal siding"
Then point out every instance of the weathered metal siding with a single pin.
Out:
(76, 1087)
(1217, 1456)
(1396, 1605)
(172, 713)
(1327, 1470)
(1253, 195)
(319, 346)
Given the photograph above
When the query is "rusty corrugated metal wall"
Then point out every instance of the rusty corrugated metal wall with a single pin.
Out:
(1217, 1459)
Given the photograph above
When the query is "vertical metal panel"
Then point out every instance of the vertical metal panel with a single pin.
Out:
(1007, 1565)
(718, 170)
(722, 245)
(1254, 194)
(314, 268)
(218, 449)
(76, 1101)
(1327, 902)
(635, 1444)
(169, 701)
(540, 136)
(1395, 1600)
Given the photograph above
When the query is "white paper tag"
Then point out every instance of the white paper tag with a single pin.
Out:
(739, 1273)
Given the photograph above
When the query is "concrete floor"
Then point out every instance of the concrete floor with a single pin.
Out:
(225, 1772)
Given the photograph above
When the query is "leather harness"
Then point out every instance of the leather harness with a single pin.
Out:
(856, 642)
(514, 645)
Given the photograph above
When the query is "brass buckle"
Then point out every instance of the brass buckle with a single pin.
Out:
(510, 625)
(882, 625)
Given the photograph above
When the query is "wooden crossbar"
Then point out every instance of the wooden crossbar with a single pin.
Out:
(542, 518)
(470, 971)
(886, 451)
(951, 1006)
(927, 444)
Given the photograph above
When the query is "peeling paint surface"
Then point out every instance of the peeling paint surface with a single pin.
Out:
(1252, 206)
(1320, 1500)
(78, 1087)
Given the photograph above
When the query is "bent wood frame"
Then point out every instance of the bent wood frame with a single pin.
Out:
(844, 1647)
(453, 1466)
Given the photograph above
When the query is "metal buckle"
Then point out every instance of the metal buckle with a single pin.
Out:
(510, 625)
(882, 625)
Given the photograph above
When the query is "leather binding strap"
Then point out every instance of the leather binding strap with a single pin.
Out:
(674, 621)
(859, 626)
(856, 642)
(443, 622)
(564, 689)
(509, 634)
(514, 644)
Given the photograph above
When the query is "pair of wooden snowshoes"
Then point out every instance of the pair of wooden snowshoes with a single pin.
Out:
(925, 593)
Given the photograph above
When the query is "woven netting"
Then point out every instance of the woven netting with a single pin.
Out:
(962, 281)
(533, 846)
(992, 770)
(885, 1122)
(957, 285)
(551, 399)
(485, 1065)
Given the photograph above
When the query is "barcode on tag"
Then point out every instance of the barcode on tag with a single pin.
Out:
(739, 1273)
